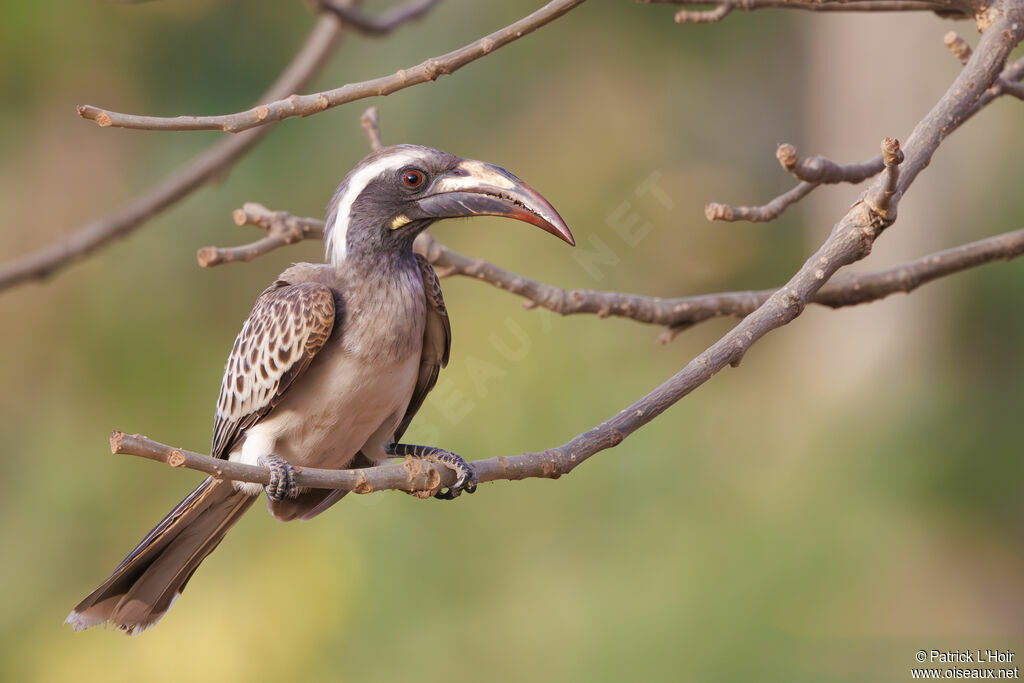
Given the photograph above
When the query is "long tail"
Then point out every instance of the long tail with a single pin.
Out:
(145, 584)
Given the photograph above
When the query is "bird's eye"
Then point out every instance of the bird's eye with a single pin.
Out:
(412, 178)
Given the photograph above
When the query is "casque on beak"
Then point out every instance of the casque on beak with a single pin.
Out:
(475, 188)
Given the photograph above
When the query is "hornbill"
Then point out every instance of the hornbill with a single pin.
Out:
(330, 367)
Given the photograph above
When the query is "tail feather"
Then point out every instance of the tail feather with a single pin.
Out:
(145, 584)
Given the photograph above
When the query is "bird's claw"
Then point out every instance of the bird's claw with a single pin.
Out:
(282, 478)
(466, 481)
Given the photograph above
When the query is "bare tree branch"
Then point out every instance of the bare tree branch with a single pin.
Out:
(370, 121)
(714, 211)
(395, 17)
(850, 240)
(849, 289)
(306, 105)
(677, 313)
(722, 8)
(208, 165)
(845, 290)
(412, 475)
(282, 229)
(704, 16)
(811, 172)
(1008, 83)
(822, 170)
(958, 46)
(819, 170)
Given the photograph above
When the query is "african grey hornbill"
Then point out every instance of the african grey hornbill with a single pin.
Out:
(330, 367)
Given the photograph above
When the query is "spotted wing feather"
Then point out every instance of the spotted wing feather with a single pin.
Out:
(287, 327)
(437, 344)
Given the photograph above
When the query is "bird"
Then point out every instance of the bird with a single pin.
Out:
(329, 368)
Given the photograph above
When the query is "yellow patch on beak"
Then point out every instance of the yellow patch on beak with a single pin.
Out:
(399, 220)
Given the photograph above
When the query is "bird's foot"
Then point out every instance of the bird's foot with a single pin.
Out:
(282, 478)
(466, 479)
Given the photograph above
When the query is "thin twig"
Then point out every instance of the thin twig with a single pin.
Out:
(820, 169)
(370, 121)
(1010, 81)
(210, 164)
(306, 105)
(704, 16)
(714, 211)
(1014, 89)
(812, 172)
(723, 8)
(385, 24)
(282, 229)
(958, 46)
(883, 198)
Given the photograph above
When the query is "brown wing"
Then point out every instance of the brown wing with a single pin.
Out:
(437, 343)
(286, 328)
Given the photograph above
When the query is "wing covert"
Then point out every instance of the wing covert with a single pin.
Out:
(288, 325)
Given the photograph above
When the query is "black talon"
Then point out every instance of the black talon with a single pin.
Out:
(466, 479)
(282, 478)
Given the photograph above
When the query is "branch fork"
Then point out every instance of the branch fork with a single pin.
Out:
(282, 229)
(811, 173)
(953, 9)
(883, 199)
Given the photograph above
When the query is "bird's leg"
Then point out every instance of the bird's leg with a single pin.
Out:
(282, 477)
(465, 476)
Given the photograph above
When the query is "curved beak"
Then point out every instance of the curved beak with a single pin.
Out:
(474, 188)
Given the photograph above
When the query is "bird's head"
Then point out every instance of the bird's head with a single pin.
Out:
(397, 192)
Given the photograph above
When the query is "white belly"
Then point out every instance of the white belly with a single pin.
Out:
(339, 406)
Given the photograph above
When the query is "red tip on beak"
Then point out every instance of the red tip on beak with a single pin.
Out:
(531, 207)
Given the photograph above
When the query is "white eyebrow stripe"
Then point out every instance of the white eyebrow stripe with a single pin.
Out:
(354, 186)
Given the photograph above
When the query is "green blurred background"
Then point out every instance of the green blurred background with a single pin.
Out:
(849, 495)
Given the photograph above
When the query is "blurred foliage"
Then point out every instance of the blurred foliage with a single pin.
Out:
(782, 523)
